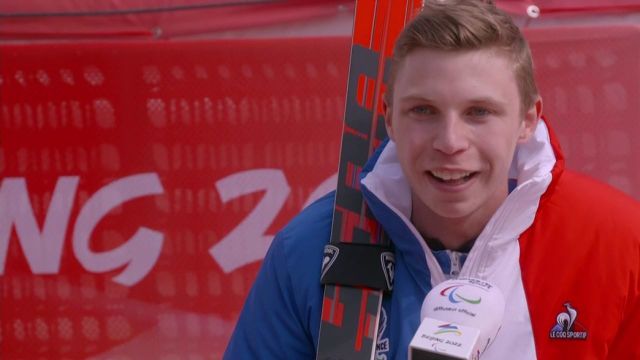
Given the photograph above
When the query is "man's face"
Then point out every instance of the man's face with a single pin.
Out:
(456, 119)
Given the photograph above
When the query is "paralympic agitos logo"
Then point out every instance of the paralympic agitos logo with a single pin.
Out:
(456, 295)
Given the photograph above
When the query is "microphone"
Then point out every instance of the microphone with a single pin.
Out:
(460, 319)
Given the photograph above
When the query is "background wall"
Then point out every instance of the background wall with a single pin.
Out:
(144, 173)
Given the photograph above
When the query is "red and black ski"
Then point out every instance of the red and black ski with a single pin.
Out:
(351, 305)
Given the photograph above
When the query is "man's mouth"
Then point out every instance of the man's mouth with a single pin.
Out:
(452, 177)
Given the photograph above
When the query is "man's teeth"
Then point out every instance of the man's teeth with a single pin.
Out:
(450, 175)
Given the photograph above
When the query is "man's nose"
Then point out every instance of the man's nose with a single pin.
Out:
(451, 135)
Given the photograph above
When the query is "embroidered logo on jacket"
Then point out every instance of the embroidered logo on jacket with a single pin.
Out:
(567, 327)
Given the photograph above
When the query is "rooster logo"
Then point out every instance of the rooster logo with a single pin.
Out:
(566, 319)
(566, 326)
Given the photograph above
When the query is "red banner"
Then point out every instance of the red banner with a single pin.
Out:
(143, 182)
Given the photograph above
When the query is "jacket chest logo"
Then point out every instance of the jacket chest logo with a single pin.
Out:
(567, 327)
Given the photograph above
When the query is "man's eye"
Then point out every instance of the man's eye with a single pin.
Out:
(479, 111)
(423, 110)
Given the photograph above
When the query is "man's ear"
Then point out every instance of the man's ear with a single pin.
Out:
(386, 107)
(531, 119)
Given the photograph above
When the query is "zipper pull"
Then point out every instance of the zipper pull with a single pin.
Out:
(455, 264)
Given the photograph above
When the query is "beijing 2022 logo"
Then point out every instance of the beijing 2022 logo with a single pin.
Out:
(448, 329)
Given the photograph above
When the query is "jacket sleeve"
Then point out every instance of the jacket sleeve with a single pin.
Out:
(270, 326)
(626, 344)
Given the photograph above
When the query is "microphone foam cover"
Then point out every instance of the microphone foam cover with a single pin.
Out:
(470, 302)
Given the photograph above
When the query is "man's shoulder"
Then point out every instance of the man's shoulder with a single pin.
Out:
(595, 197)
(312, 226)
(286, 298)
(301, 242)
(579, 201)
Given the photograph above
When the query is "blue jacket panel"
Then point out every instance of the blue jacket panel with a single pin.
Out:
(281, 316)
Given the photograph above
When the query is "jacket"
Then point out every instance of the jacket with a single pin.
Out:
(563, 248)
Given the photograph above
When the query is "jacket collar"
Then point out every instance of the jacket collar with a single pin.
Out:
(388, 195)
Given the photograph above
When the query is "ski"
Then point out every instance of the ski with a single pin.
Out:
(358, 264)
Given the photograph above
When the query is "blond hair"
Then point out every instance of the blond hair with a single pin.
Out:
(454, 25)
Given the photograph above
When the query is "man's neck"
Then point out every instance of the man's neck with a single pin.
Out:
(436, 245)
(451, 233)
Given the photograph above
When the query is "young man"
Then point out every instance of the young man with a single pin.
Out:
(471, 184)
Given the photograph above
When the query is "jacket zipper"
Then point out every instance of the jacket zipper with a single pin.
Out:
(455, 264)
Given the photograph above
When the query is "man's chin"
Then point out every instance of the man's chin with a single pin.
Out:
(448, 209)
(453, 212)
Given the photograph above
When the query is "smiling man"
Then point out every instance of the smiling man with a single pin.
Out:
(456, 118)
(471, 184)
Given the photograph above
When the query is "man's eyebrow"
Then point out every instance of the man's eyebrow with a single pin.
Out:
(415, 97)
(482, 100)
(487, 100)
